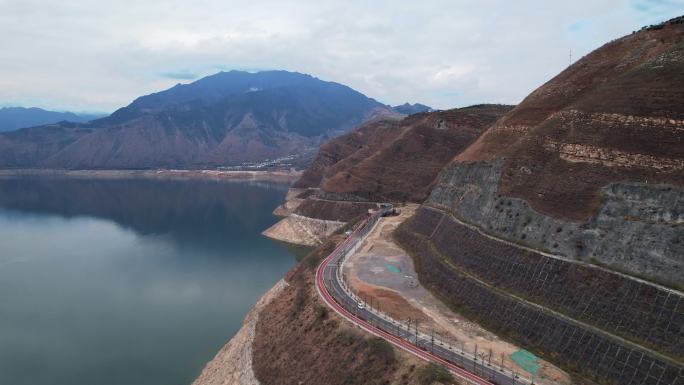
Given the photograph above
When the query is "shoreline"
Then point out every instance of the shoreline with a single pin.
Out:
(286, 176)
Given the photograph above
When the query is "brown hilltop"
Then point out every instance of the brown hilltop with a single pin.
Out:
(397, 160)
(616, 115)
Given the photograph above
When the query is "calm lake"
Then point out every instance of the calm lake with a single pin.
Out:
(125, 282)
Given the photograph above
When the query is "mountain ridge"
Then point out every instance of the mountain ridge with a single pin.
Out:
(226, 119)
(14, 118)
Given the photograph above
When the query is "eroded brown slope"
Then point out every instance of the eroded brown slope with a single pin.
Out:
(616, 115)
(351, 147)
(397, 161)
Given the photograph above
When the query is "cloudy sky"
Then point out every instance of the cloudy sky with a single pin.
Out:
(99, 55)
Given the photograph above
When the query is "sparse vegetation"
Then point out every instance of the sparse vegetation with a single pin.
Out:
(381, 350)
(432, 373)
(321, 312)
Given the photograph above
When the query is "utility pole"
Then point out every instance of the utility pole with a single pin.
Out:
(489, 357)
(475, 359)
(570, 60)
(416, 326)
(502, 361)
(408, 329)
(432, 341)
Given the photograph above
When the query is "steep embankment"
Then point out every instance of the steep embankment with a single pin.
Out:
(552, 228)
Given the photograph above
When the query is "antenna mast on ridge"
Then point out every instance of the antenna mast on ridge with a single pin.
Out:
(570, 58)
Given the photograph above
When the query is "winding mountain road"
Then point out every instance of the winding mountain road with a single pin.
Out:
(333, 290)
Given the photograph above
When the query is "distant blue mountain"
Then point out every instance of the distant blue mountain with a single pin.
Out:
(410, 109)
(12, 118)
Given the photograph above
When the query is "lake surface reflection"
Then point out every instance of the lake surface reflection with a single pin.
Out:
(128, 281)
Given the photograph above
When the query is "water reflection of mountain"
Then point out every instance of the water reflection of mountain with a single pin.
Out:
(214, 214)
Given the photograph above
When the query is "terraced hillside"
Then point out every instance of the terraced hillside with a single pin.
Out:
(562, 226)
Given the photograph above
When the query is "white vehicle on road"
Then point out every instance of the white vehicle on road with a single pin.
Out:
(360, 305)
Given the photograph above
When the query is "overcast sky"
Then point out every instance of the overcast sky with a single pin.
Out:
(99, 55)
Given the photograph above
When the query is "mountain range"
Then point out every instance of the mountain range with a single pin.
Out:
(226, 119)
(12, 118)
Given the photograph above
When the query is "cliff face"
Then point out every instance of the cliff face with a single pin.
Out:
(637, 228)
(562, 226)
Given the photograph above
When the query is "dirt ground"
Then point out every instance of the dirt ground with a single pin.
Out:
(382, 270)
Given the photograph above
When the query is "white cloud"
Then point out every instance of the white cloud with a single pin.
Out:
(97, 55)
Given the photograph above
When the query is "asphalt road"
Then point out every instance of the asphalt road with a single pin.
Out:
(331, 288)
